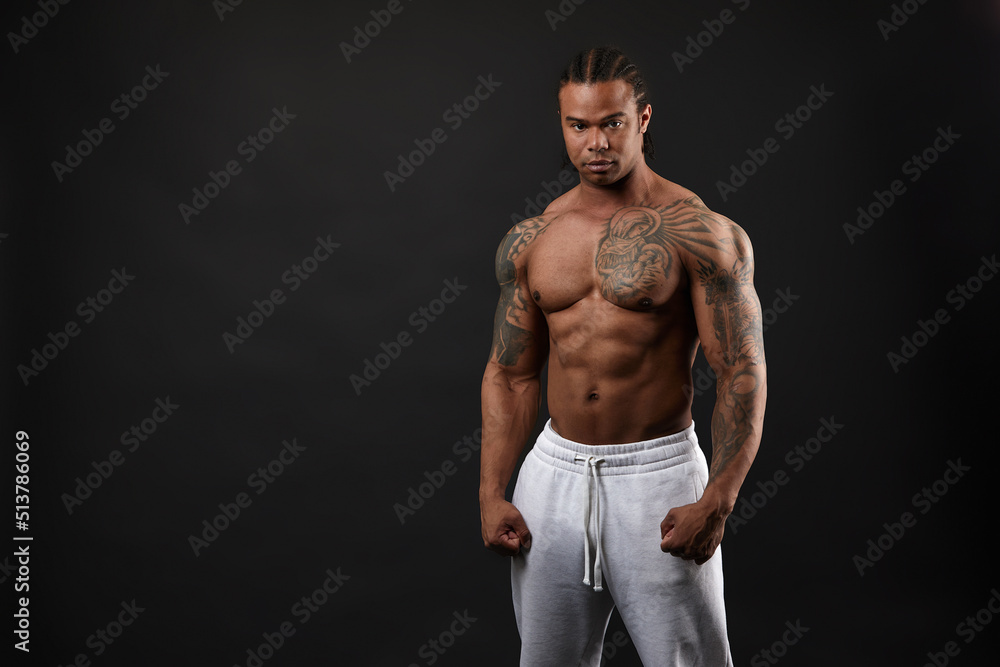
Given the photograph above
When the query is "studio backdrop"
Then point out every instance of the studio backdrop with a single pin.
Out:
(247, 252)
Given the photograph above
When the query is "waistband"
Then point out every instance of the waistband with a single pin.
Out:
(619, 459)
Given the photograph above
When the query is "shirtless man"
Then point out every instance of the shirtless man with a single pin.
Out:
(615, 285)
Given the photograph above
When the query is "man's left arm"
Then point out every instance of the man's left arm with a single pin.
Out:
(728, 315)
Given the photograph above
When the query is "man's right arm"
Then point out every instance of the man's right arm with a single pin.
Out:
(511, 389)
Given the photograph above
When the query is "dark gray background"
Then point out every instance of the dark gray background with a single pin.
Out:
(323, 177)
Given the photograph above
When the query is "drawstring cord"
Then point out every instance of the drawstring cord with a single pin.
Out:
(591, 464)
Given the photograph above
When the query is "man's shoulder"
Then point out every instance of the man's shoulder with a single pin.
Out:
(698, 231)
(512, 252)
(528, 226)
(522, 233)
(693, 207)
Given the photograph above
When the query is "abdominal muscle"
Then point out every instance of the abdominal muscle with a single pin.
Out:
(618, 375)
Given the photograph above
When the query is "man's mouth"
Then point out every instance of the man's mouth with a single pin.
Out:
(598, 166)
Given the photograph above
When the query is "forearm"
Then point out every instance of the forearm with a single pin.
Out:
(737, 424)
(510, 410)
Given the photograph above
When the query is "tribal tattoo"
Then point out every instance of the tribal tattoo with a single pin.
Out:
(637, 252)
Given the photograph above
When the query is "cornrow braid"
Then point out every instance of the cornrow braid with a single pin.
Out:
(608, 63)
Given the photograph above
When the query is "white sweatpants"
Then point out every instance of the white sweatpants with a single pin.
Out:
(594, 513)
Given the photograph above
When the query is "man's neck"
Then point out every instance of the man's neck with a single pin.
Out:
(633, 188)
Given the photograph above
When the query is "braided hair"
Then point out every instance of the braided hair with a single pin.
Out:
(608, 63)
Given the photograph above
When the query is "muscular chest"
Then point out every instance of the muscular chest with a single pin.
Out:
(628, 260)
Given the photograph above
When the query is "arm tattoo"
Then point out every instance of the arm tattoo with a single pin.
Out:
(735, 311)
(736, 323)
(509, 339)
(732, 420)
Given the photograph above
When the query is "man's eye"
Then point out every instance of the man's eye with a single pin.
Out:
(615, 123)
(577, 126)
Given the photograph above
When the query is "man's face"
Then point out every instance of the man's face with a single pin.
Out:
(602, 129)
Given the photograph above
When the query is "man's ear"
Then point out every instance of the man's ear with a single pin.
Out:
(644, 117)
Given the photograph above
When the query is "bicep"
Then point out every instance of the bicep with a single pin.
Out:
(726, 306)
(520, 334)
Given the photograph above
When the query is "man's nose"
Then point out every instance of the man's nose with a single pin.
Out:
(596, 141)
